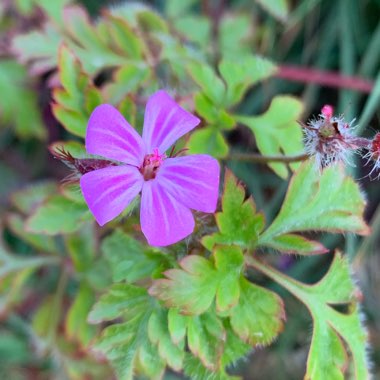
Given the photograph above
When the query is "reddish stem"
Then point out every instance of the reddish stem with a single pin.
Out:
(326, 78)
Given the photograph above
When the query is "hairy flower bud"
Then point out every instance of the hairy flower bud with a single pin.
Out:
(330, 139)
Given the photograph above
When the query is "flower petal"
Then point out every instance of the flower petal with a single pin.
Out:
(165, 122)
(110, 190)
(192, 180)
(111, 136)
(164, 221)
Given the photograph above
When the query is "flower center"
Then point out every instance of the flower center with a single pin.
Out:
(151, 164)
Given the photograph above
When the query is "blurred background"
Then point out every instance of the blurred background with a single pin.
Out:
(327, 52)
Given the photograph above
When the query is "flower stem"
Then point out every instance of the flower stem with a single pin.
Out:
(255, 157)
(326, 78)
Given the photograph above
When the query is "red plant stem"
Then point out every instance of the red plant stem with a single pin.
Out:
(325, 78)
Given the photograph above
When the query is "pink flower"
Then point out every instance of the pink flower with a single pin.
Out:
(169, 186)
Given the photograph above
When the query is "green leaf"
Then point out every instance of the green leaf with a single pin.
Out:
(40, 242)
(208, 81)
(205, 338)
(193, 288)
(58, 215)
(332, 326)
(238, 222)
(158, 332)
(235, 35)
(330, 201)
(277, 8)
(277, 131)
(130, 260)
(76, 324)
(120, 299)
(195, 370)
(76, 100)
(242, 74)
(81, 247)
(214, 115)
(127, 344)
(19, 108)
(258, 317)
(126, 80)
(209, 141)
(195, 29)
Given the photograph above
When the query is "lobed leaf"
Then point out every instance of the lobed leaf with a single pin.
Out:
(328, 358)
(330, 201)
(76, 100)
(238, 222)
(277, 131)
(258, 317)
(130, 260)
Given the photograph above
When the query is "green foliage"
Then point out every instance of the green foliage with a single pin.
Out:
(277, 8)
(19, 108)
(193, 288)
(277, 131)
(329, 201)
(130, 260)
(191, 307)
(56, 216)
(238, 222)
(327, 356)
(78, 97)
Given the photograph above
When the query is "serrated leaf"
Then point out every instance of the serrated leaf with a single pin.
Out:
(208, 141)
(330, 201)
(127, 344)
(120, 299)
(327, 357)
(205, 338)
(57, 215)
(258, 317)
(277, 8)
(195, 370)
(242, 74)
(193, 288)
(277, 131)
(75, 102)
(130, 260)
(238, 223)
(159, 335)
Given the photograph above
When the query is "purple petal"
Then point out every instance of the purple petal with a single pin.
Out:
(110, 135)
(192, 180)
(165, 122)
(164, 221)
(110, 190)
